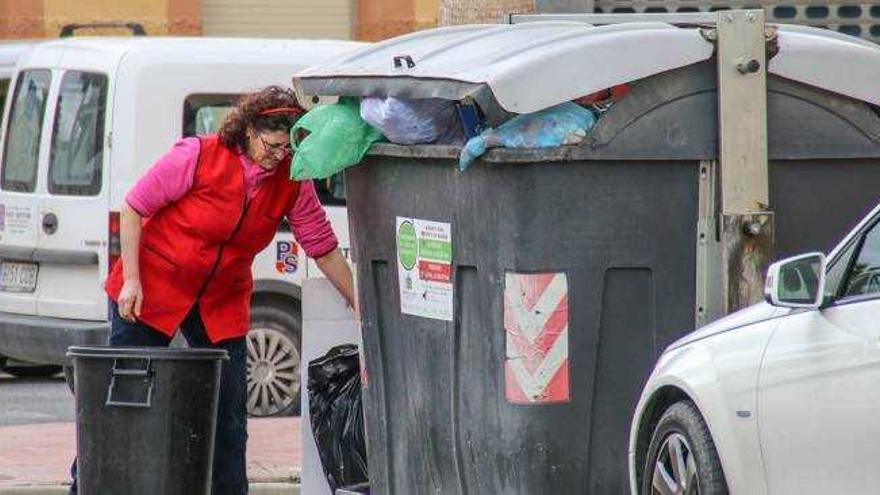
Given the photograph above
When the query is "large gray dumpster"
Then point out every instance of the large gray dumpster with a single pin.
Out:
(555, 277)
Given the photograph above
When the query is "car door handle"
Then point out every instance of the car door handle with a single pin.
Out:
(50, 223)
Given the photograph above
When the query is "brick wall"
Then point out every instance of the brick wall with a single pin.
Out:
(22, 19)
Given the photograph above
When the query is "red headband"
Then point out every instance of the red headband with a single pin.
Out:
(291, 110)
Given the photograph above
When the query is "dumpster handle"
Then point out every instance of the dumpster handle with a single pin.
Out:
(398, 61)
(125, 375)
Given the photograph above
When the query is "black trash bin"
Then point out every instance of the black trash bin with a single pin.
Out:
(145, 419)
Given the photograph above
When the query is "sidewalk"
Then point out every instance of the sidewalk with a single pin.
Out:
(35, 459)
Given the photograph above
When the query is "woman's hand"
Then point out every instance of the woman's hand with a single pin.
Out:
(336, 269)
(130, 299)
(131, 296)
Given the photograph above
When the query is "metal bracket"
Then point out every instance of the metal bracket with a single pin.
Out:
(746, 222)
(708, 301)
(123, 380)
(742, 111)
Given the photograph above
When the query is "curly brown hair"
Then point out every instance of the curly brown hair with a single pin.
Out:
(233, 131)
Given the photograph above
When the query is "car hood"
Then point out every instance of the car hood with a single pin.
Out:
(753, 314)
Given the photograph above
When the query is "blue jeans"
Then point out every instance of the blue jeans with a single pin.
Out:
(229, 470)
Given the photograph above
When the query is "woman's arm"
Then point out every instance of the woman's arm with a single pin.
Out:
(336, 269)
(165, 182)
(313, 231)
(131, 296)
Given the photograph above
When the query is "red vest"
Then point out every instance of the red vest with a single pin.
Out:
(200, 248)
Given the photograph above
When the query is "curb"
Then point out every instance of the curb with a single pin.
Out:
(253, 489)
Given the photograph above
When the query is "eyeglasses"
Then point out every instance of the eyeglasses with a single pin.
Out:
(275, 148)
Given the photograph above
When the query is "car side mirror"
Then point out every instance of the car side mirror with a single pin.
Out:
(797, 282)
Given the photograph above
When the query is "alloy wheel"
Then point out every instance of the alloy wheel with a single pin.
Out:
(675, 470)
(273, 372)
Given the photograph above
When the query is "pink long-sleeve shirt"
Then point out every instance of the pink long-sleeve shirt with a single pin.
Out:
(172, 176)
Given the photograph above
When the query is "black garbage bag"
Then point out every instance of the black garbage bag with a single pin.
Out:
(337, 416)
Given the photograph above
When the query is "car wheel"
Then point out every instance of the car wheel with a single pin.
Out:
(273, 360)
(682, 459)
(31, 371)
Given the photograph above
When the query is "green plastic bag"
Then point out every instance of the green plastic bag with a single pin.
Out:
(337, 138)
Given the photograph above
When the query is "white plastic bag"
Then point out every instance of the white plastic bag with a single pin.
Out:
(414, 121)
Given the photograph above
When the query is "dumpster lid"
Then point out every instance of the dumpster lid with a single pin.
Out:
(154, 353)
(829, 60)
(508, 69)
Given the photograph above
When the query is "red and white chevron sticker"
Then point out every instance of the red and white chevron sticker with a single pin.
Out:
(536, 326)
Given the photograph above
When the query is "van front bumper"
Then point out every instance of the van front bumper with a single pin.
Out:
(43, 340)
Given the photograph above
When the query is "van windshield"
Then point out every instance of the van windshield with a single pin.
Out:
(78, 135)
(22, 149)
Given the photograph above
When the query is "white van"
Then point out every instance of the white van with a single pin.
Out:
(85, 118)
(10, 53)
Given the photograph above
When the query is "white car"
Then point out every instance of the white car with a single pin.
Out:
(84, 119)
(780, 398)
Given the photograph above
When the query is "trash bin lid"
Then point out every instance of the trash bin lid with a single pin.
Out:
(154, 353)
(829, 60)
(508, 69)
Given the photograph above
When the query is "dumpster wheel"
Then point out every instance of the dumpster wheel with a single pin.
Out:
(273, 361)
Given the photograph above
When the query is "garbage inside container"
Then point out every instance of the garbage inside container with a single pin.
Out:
(414, 121)
(601, 101)
(335, 410)
(328, 139)
(145, 418)
(562, 124)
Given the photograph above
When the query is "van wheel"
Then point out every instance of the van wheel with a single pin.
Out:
(681, 457)
(31, 371)
(274, 358)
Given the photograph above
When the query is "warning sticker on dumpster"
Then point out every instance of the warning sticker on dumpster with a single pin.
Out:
(424, 268)
(536, 330)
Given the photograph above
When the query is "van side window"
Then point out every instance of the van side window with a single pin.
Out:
(77, 156)
(25, 127)
(203, 113)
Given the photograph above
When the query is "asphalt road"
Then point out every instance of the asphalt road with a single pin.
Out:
(34, 400)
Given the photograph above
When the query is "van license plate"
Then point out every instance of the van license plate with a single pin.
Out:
(18, 277)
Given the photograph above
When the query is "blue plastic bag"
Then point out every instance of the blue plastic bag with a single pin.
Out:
(563, 124)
